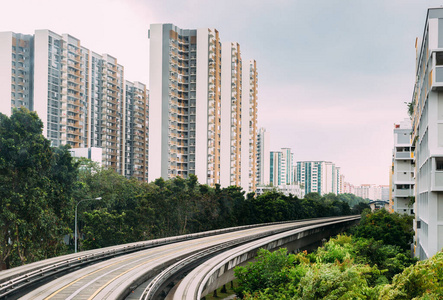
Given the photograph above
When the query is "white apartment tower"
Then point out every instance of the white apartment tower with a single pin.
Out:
(403, 166)
(185, 103)
(275, 161)
(263, 157)
(427, 137)
(281, 167)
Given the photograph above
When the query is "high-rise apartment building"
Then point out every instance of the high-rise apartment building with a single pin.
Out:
(136, 130)
(275, 161)
(287, 166)
(185, 109)
(403, 167)
(281, 167)
(16, 69)
(263, 157)
(249, 132)
(318, 177)
(231, 115)
(60, 97)
(427, 137)
(196, 106)
(79, 95)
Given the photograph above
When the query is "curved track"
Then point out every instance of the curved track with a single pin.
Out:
(194, 285)
(118, 277)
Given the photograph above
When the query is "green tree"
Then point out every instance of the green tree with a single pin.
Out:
(36, 188)
(423, 280)
(269, 272)
(390, 228)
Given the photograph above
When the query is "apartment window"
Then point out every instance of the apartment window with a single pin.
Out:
(439, 163)
(439, 58)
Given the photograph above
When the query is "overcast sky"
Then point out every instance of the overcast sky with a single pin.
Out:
(333, 74)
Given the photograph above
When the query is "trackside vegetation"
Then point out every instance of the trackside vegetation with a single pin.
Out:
(359, 266)
(40, 186)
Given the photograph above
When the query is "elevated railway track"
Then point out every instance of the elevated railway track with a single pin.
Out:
(152, 269)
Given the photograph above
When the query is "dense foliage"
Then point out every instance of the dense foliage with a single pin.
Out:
(132, 210)
(36, 188)
(346, 267)
(390, 228)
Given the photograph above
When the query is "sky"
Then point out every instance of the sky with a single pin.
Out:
(334, 75)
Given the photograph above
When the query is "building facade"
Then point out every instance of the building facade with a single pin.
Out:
(427, 137)
(403, 167)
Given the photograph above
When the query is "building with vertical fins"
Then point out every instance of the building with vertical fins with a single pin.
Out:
(427, 136)
(318, 177)
(275, 173)
(281, 167)
(196, 107)
(263, 157)
(79, 95)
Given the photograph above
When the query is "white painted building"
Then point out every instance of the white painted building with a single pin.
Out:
(403, 167)
(427, 136)
(263, 157)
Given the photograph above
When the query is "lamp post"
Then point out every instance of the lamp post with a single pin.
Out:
(75, 232)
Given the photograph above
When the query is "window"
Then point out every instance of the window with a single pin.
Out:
(439, 58)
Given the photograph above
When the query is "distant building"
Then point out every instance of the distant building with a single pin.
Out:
(275, 177)
(293, 189)
(281, 167)
(372, 192)
(263, 157)
(321, 177)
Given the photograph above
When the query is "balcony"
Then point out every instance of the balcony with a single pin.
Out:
(404, 155)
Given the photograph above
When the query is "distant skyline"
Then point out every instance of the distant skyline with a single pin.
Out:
(333, 74)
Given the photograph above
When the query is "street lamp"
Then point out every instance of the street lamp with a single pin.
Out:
(75, 232)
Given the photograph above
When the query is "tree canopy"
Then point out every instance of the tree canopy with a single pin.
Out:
(36, 187)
